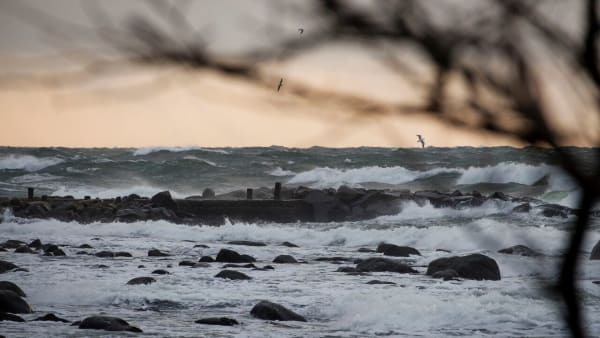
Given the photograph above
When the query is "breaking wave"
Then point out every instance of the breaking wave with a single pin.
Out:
(27, 162)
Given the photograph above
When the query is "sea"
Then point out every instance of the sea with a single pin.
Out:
(335, 304)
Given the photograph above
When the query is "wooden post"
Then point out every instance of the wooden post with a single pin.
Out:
(249, 193)
(30, 193)
(277, 191)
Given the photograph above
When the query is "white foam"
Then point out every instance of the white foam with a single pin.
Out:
(205, 161)
(149, 150)
(34, 178)
(27, 162)
(280, 172)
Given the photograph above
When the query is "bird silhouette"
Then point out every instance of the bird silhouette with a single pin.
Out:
(421, 140)
(301, 30)
(280, 84)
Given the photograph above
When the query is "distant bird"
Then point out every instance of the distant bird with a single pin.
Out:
(421, 140)
(301, 30)
(280, 84)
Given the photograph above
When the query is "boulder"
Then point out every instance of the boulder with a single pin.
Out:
(499, 195)
(223, 321)
(230, 256)
(107, 323)
(160, 272)
(141, 280)
(289, 245)
(271, 311)
(520, 250)
(522, 208)
(366, 250)
(379, 264)
(595, 252)
(50, 317)
(157, 253)
(446, 274)
(474, 266)
(13, 303)
(36, 243)
(105, 254)
(247, 243)
(53, 250)
(85, 246)
(12, 244)
(164, 200)
(347, 194)
(186, 263)
(10, 317)
(285, 259)
(233, 275)
(122, 254)
(201, 265)
(206, 259)
(6, 285)
(24, 249)
(398, 251)
(6, 266)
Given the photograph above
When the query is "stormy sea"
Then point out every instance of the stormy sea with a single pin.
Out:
(324, 287)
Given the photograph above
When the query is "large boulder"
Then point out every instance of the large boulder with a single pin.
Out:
(520, 250)
(398, 251)
(13, 303)
(6, 266)
(233, 275)
(6, 285)
(164, 200)
(379, 264)
(474, 266)
(595, 251)
(271, 311)
(230, 256)
(107, 323)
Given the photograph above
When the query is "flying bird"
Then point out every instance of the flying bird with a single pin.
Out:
(280, 84)
(301, 30)
(421, 140)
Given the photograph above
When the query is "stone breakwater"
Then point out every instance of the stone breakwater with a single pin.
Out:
(282, 205)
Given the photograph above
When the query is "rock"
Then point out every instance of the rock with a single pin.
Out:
(82, 253)
(238, 266)
(555, 210)
(105, 254)
(347, 269)
(443, 250)
(10, 317)
(6, 285)
(456, 193)
(366, 250)
(397, 251)
(203, 246)
(247, 243)
(100, 266)
(13, 303)
(141, 266)
(6, 266)
(206, 259)
(375, 282)
(379, 264)
(271, 311)
(24, 249)
(289, 245)
(224, 321)
(499, 195)
(53, 250)
(334, 259)
(186, 263)
(107, 323)
(285, 259)
(230, 256)
(141, 280)
(593, 256)
(446, 274)
(474, 266)
(36, 243)
(208, 193)
(525, 207)
(50, 317)
(122, 254)
(201, 265)
(157, 253)
(232, 274)
(85, 246)
(12, 244)
(160, 272)
(347, 194)
(164, 200)
(520, 250)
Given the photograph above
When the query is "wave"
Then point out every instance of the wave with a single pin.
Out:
(33, 178)
(280, 172)
(27, 162)
(194, 158)
(150, 150)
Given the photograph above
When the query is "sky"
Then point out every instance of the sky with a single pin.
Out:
(133, 106)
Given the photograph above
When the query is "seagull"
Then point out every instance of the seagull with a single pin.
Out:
(421, 140)
(280, 84)
(301, 30)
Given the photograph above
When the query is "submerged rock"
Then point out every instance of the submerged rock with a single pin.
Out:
(206, 259)
(379, 264)
(233, 275)
(520, 250)
(123, 254)
(289, 245)
(376, 282)
(525, 207)
(53, 250)
(10, 317)
(50, 317)
(223, 321)
(247, 243)
(7, 266)
(285, 259)
(271, 311)
(107, 323)
(160, 272)
(157, 253)
(25, 249)
(474, 266)
(13, 303)
(446, 274)
(105, 254)
(230, 256)
(141, 280)
(6, 285)
(397, 251)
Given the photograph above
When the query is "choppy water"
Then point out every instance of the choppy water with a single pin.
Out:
(335, 304)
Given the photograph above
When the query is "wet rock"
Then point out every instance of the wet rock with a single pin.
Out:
(443, 250)
(289, 245)
(499, 195)
(347, 194)
(13, 303)
(367, 250)
(208, 193)
(157, 253)
(523, 208)
(122, 254)
(206, 259)
(456, 193)
(6, 285)
(230, 256)
(85, 246)
(285, 259)
(25, 249)
(595, 252)
(12, 244)
(223, 321)
(107, 323)
(141, 266)
(379, 264)
(186, 263)
(7, 266)
(141, 280)
(334, 259)
(10, 317)
(232, 274)
(53, 250)
(105, 254)
(445, 274)
(397, 251)
(474, 266)
(239, 266)
(347, 269)
(36, 243)
(100, 266)
(201, 246)
(376, 282)
(160, 272)
(201, 265)
(50, 317)
(247, 243)
(520, 250)
(555, 210)
(164, 200)
(271, 311)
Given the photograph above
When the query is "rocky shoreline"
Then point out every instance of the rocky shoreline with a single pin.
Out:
(283, 205)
